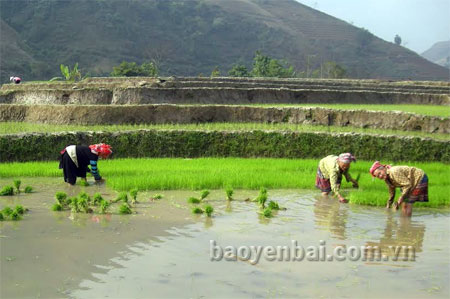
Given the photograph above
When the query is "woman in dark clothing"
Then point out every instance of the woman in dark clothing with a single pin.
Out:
(76, 159)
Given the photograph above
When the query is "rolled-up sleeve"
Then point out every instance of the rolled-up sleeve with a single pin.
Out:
(94, 170)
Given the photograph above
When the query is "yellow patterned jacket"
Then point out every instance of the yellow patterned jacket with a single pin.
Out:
(330, 169)
(404, 177)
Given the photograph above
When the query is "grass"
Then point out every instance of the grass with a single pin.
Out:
(237, 173)
(432, 110)
(23, 127)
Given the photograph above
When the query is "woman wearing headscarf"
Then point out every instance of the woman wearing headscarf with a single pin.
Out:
(411, 180)
(330, 171)
(76, 159)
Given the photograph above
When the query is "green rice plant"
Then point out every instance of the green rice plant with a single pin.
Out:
(104, 205)
(84, 183)
(83, 205)
(15, 216)
(97, 199)
(85, 196)
(57, 207)
(197, 210)
(19, 209)
(74, 205)
(61, 198)
(133, 194)
(267, 212)
(209, 210)
(1, 216)
(273, 205)
(229, 193)
(17, 184)
(7, 191)
(122, 196)
(262, 197)
(204, 194)
(124, 209)
(28, 189)
(193, 200)
(69, 201)
(156, 197)
(198, 174)
(7, 211)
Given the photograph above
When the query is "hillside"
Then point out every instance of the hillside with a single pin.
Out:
(439, 53)
(191, 38)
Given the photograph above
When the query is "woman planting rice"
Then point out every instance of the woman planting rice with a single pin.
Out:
(75, 160)
(411, 180)
(330, 171)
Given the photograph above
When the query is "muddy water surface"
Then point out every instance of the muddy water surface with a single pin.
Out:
(165, 251)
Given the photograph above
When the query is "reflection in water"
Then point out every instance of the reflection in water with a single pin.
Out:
(402, 238)
(331, 215)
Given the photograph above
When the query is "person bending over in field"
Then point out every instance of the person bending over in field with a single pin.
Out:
(15, 79)
(330, 171)
(412, 181)
(75, 159)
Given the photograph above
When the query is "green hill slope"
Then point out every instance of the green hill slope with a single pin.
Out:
(191, 37)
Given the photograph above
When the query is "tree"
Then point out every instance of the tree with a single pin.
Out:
(70, 74)
(264, 66)
(239, 70)
(131, 69)
(398, 40)
(215, 72)
(333, 70)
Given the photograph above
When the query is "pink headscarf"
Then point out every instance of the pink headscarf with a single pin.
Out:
(346, 158)
(377, 165)
(101, 149)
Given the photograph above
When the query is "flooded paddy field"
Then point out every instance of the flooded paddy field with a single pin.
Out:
(164, 250)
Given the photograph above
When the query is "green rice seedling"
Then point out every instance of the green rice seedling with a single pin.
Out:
(15, 216)
(68, 201)
(358, 177)
(262, 197)
(17, 184)
(122, 196)
(273, 205)
(85, 196)
(97, 199)
(262, 193)
(267, 212)
(229, 193)
(19, 209)
(57, 207)
(156, 197)
(193, 200)
(209, 210)
(197, 210)
(104, 205)
(133, 194)
(74, 205)
(61, 198)
(204, 194)
(7, 211)
(28, 189)
(83, 205)
(84, 183)
(124, 209)
(7, 191)
(1, 216)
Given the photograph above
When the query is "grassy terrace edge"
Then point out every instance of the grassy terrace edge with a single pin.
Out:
(26, 127)
(245, 144)
(238, 173)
